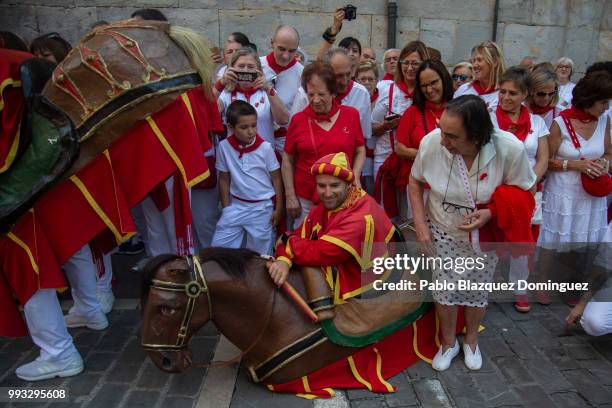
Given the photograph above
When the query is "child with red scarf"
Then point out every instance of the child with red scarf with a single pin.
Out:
(249, 181)
(513, 116)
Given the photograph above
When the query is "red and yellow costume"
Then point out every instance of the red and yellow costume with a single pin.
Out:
(349, 238)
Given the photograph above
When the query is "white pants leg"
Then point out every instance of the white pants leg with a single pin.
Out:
(81, 273)
(229, 232)
(519, 270)
(46, 325)
(105, 281)
(597, 317)
(161, 234)
(205, 212)
(260, 232)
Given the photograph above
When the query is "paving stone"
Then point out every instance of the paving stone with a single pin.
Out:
(519, 344)
(512, 313)
(18, 345)
(142, 399)
(114, 340)
(125, 319)
(603, 346)
(11, 380)
(133, 352)
(369, 403)
(568, 400)
(404, 396)
(431, 394)
(421, 370)
(534, 396)
(87, 338)
(467, 396)
(124, 373)
(64, 404)
(178, 402)
(548, 376)
(456, 376)
(82, 384)
(153, 378)
(99, 361)
(497, 318)
(109, 396)
(494, 347)
(537, 333)
(188, 382)
(561, 359)
(50, 383)
(582, 352)
(362, 393)
(588, 386)
(245, 393)
(7, 360)
(513, 370)
(494, 389)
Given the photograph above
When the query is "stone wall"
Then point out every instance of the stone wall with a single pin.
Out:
(547, 29)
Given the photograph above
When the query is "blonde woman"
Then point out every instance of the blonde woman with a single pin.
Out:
(488, 64)
(543, 99)
(462, 74)
(564, 68)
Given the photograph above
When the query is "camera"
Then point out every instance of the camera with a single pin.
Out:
(246, 76)
(350, 12)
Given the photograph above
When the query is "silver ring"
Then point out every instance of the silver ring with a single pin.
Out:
(589, 171)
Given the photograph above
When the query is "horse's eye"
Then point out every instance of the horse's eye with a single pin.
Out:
(167, 310)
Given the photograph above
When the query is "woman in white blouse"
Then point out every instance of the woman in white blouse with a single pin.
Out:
(564, 68)
(464, 162)
(543, 99)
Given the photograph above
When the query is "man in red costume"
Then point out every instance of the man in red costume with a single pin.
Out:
(346, 230)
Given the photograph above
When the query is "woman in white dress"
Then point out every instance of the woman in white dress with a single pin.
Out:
(513, 116)
(488, 65)
(579, 144)
(564, 68)
(543, 99)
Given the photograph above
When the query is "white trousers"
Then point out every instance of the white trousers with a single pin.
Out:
(205, 212)
(597, 316)
(105, 281)
(161, 233)
(43, 313)
(519, 270)
(240, 218)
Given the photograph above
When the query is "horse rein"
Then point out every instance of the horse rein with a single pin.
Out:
(193, 290)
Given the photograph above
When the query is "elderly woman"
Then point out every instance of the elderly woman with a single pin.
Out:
(488, 64)
(259, 93)
(462, 74)
(575, 214)
(513, 116)
(391, 104)
(323, 127)
(564, 68)
(433, 90)
(466, 162)
(543, 99)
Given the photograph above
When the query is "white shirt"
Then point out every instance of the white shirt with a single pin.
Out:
(565, 94)
(259, 100)
(491, 99)
(538, 130)
(358, 98)
(286, 84)
(221, 71)
(501, 161)
(250, 175)
(552, 114)
(381, 109)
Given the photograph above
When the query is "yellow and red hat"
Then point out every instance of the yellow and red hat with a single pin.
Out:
(335, 164)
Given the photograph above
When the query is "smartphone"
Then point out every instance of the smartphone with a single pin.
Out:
(246, 76)
(392, 117)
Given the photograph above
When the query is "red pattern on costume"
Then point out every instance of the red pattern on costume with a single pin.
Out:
(344, 136)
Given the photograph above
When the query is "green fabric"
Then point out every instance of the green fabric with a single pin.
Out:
(360, 341)
(35, 164)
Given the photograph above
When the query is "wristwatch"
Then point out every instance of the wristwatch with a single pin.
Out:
(565, 165)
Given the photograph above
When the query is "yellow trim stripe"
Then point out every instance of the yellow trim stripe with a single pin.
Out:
(345, 246)
(270, 387)
(337, 171)
(26, 248)
(356, 374)
(162, 139)
(286, 260)
(288, 249)
(5, 83)
(331, 391)
(187, 103)
(12, 153)
(415, 345)
(369, 236)
(306, 396)
(390, 234)
(379, 372)
(305, 384)
(98, 210)
(365, 288)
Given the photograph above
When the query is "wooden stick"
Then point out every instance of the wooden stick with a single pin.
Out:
(299, 301)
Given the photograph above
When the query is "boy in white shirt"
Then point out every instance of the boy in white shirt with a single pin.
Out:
(250, 184)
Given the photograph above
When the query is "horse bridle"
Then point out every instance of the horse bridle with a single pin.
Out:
(193, 289)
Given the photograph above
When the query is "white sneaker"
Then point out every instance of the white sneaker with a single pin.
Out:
(106, 299)
(443, 359)
(473, 359)
(100, 322)
(41, 370)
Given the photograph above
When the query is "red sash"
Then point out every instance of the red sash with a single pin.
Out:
(480, 90)
(275, 66)
(521, 128)
(241, 149)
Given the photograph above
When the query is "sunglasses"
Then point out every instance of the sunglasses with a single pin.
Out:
(460, 77)
(547, 94)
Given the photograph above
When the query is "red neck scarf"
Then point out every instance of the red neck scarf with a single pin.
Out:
(538, 110)
(275, 65)
(342, 95)
(388, 77)
(435, 109)
(404, 88)
(575, 113)
(324, 116)
(247, 92)
(521, 128)
(241, 149)
(480, 90)
(374, 95)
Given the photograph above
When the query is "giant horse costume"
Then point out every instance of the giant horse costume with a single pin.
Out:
(128, 108)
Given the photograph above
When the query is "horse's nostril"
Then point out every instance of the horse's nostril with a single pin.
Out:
(166, 363)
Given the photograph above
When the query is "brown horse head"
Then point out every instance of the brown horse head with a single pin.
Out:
(176, 300)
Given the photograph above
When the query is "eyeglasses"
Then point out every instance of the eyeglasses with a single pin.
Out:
(546, 94)
(564, 67)
(452, 208)
(413, 64)
(460, 77)
(391, 59)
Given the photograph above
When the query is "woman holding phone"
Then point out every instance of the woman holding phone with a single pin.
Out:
(244, 80)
